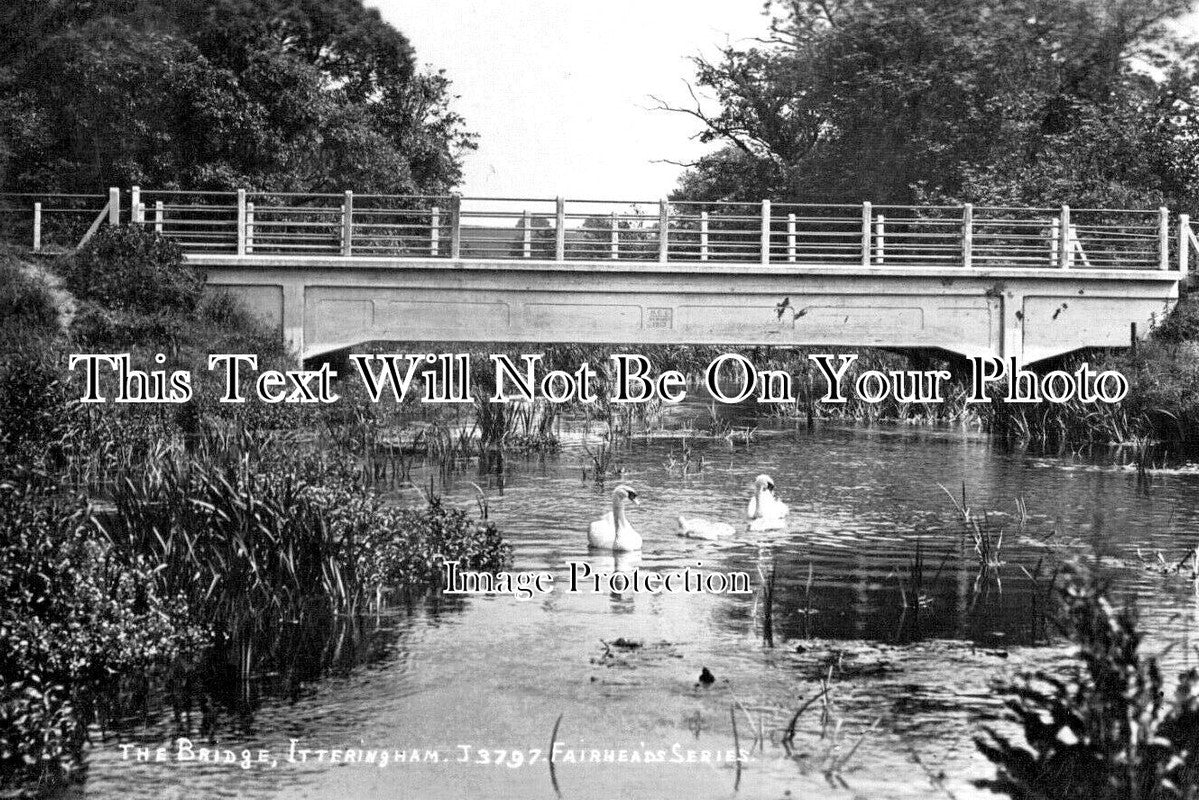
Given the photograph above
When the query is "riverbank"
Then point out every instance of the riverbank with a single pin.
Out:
(159, 557)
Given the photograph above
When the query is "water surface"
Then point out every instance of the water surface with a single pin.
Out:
(871, 527)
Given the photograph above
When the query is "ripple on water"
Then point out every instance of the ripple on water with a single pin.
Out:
(499, 671)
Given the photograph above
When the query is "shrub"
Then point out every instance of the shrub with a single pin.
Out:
(135, 270)
(34, 409)
(404, 549)
(1182, 324)
(26, 308)
(1106, 731)
(76, 620)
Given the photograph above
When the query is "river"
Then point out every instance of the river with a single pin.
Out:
(910, 659)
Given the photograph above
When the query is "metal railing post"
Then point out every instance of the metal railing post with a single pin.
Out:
(1064, 253)
(791, 237)
(456, 226)
(158, 216)
(703, 236)
(114, 206)
(137, 215)
(559, 228)
(37, 227)
(765, 239)
(968, 235)
(1055, 235)
(880, 239)
(434, 231)
(526, 235)
(866, 215)
(249, 227)
(663, 231)
(1163, 215)
(241, 222)
(347, 224)
(1184, 244)
(614, 238)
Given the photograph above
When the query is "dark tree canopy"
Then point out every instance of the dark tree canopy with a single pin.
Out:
(1021, 101)
(301, 95)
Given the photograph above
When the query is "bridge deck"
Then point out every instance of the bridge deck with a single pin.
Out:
(327, 304)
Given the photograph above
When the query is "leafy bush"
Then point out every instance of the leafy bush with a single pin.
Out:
(135, 270)
(34, 409)
(1105, 732)
(404, 549)
(26, 308)
(1182, 324)
(76, 620)
(99, 328)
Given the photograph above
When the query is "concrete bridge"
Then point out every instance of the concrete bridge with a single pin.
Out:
(336, 270)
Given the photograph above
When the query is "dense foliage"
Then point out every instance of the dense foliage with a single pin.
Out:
(988, 101)
(294, 95)
(26, 307)
(76, 618)
(133, 269)
(1107, 732)
(221, 552)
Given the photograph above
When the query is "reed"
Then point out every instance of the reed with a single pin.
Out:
(807, 609)
(767, 582)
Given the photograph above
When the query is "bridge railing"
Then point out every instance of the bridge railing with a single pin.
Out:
(50, 222)
(559, 229)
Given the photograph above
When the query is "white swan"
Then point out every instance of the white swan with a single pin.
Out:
(612, 531)
(766, 512)
(697, 528)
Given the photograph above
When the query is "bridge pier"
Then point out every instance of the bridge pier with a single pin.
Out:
(292, 315)
(1013, 325)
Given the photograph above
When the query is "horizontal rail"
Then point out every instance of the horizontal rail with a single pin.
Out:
(666, 231)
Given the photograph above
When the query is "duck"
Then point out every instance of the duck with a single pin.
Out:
(612, 531)
(766, 512)
(698, 528)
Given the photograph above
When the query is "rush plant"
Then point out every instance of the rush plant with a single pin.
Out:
(1106, 730)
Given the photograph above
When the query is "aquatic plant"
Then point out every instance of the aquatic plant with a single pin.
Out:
(403, 550)
(807, 605)
(1106, 730)
(601, 458)
(767, 581)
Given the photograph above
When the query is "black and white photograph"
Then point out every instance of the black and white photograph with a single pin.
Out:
(453, 399)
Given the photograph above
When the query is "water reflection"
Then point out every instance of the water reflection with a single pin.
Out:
(879, 575)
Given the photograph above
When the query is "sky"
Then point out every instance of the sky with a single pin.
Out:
(559, 92)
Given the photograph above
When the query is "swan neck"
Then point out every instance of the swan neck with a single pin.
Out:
(618, 517)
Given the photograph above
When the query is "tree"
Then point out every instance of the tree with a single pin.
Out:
(296, 95)
(901, 100)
